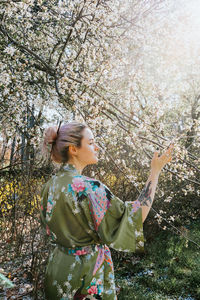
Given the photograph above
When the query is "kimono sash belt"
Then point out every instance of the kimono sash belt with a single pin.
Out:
(103, 254)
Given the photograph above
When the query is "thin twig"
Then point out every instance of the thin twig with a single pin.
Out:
(27, 50)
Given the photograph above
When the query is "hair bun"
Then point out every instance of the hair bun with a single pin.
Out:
(69, 134)
(50, 135)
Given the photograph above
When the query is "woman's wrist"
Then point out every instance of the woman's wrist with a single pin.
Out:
(154, 173)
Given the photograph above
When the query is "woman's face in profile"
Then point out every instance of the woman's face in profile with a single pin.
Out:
(88, 153)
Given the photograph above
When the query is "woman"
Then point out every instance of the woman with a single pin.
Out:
(83, 218)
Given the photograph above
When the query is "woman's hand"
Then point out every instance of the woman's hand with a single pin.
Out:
(158, 162)
(147, 195)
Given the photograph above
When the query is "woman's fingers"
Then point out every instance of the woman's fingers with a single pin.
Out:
(155, 155)
(158, 162)
(168, 153)
(170, 149)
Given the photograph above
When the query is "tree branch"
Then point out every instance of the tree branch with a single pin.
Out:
(27, 50)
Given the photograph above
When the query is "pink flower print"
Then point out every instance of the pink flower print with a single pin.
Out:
(80, 252)
(78, 184)
(135, 205)
(42, 208)
(49, 207)
(93, 290)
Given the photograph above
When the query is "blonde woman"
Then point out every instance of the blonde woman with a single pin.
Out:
(83, 218)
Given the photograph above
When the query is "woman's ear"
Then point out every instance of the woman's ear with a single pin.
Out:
(72, 150)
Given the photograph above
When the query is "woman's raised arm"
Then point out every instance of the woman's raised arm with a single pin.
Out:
(147, 195)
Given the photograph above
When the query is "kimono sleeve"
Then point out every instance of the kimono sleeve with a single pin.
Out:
(118, 224)
(122, 226)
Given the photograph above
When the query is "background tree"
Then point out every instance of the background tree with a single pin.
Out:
(129, 69)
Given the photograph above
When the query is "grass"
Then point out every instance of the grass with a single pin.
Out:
(169, 269)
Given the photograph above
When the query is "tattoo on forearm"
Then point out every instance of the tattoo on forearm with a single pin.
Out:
(145, 195)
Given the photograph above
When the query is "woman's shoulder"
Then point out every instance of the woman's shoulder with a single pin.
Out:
(85, 184)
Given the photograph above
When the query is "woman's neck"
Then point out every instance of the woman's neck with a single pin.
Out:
(77, 165)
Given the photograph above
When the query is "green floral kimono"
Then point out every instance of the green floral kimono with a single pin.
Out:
(82, 218)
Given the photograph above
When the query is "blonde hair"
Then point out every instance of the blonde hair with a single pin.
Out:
(60, 138)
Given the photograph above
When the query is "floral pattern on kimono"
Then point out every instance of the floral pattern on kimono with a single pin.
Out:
(84, 219)
(98, 194)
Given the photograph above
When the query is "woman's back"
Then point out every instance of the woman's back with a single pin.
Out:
(65, 216)
(83, 218)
